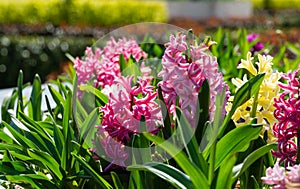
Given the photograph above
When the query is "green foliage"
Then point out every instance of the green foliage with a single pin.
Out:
(276, 4)
(214, 167)
(77, 12)
(232, 46)
(51, 149)
(43, 149)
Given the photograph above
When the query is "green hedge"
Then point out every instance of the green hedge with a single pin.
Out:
(82, 12)
(36, 54)
(276, 4)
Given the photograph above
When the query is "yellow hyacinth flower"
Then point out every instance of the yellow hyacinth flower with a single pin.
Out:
(269, 90)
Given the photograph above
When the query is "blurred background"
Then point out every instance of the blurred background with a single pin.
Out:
(36, 35)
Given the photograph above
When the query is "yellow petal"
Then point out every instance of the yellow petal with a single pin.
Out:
(264, 64)
(248, 65)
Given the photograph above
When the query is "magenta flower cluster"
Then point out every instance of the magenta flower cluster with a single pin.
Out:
(133, 106)
(102, 66)
(122, 115)
(128, 107)
(185, 67)
(287, 113)
(280, 178)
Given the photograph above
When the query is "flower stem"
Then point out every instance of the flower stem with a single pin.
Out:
(298, 144)
(212, 163)
(254, 105)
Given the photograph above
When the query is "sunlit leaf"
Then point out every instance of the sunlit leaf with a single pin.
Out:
(166, 172)
(236, 140)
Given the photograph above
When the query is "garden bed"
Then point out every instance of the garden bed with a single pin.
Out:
(183, 113)
(274, 28)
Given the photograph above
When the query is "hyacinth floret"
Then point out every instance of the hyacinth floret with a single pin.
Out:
(281, 178)
(258, 46)
(275, 176)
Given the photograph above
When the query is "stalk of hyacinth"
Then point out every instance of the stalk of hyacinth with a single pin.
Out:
(257, 47)
(269, 90)
(128, 105)
(101, 67)
(287, 113)
(184, 68)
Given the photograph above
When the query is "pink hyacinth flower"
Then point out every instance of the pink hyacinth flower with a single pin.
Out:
(126, 107)
(182, 77)
(287, 113)
(293, 174)
(101, 67)
(275, 176)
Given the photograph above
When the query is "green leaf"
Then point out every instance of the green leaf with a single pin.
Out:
(37, 134)
(36, 99)
(48, 106)
(190, 142)
(39, 180)
(11, 147)
(58, 137)
(18, 166)
(295, 50)
(87, 129)
(58, 98)
(197, 176)
(210, 135)
(243, 42)
(243, 94)
(93, 173)
(70, 57)
(116, 180)
(31, 125)
(17, 137)
(79, 112)
(22, 179)
(122, 62)
(48, 161)
(235, 141)
(224, 179)
(90, 89)
(7, 104)
(67, 115)
(251, 158)
(8, 170)
(135, 180)
(20, 91)
(67, 133)
(247, 91)
(21, 155)
(131, 69)
(167, 129)
(203, 101)
(5, 135)
(157, 50)
(141, 149)
(166, 172)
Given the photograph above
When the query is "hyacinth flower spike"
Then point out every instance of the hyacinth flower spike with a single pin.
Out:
(287, 113)
(261, 106)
